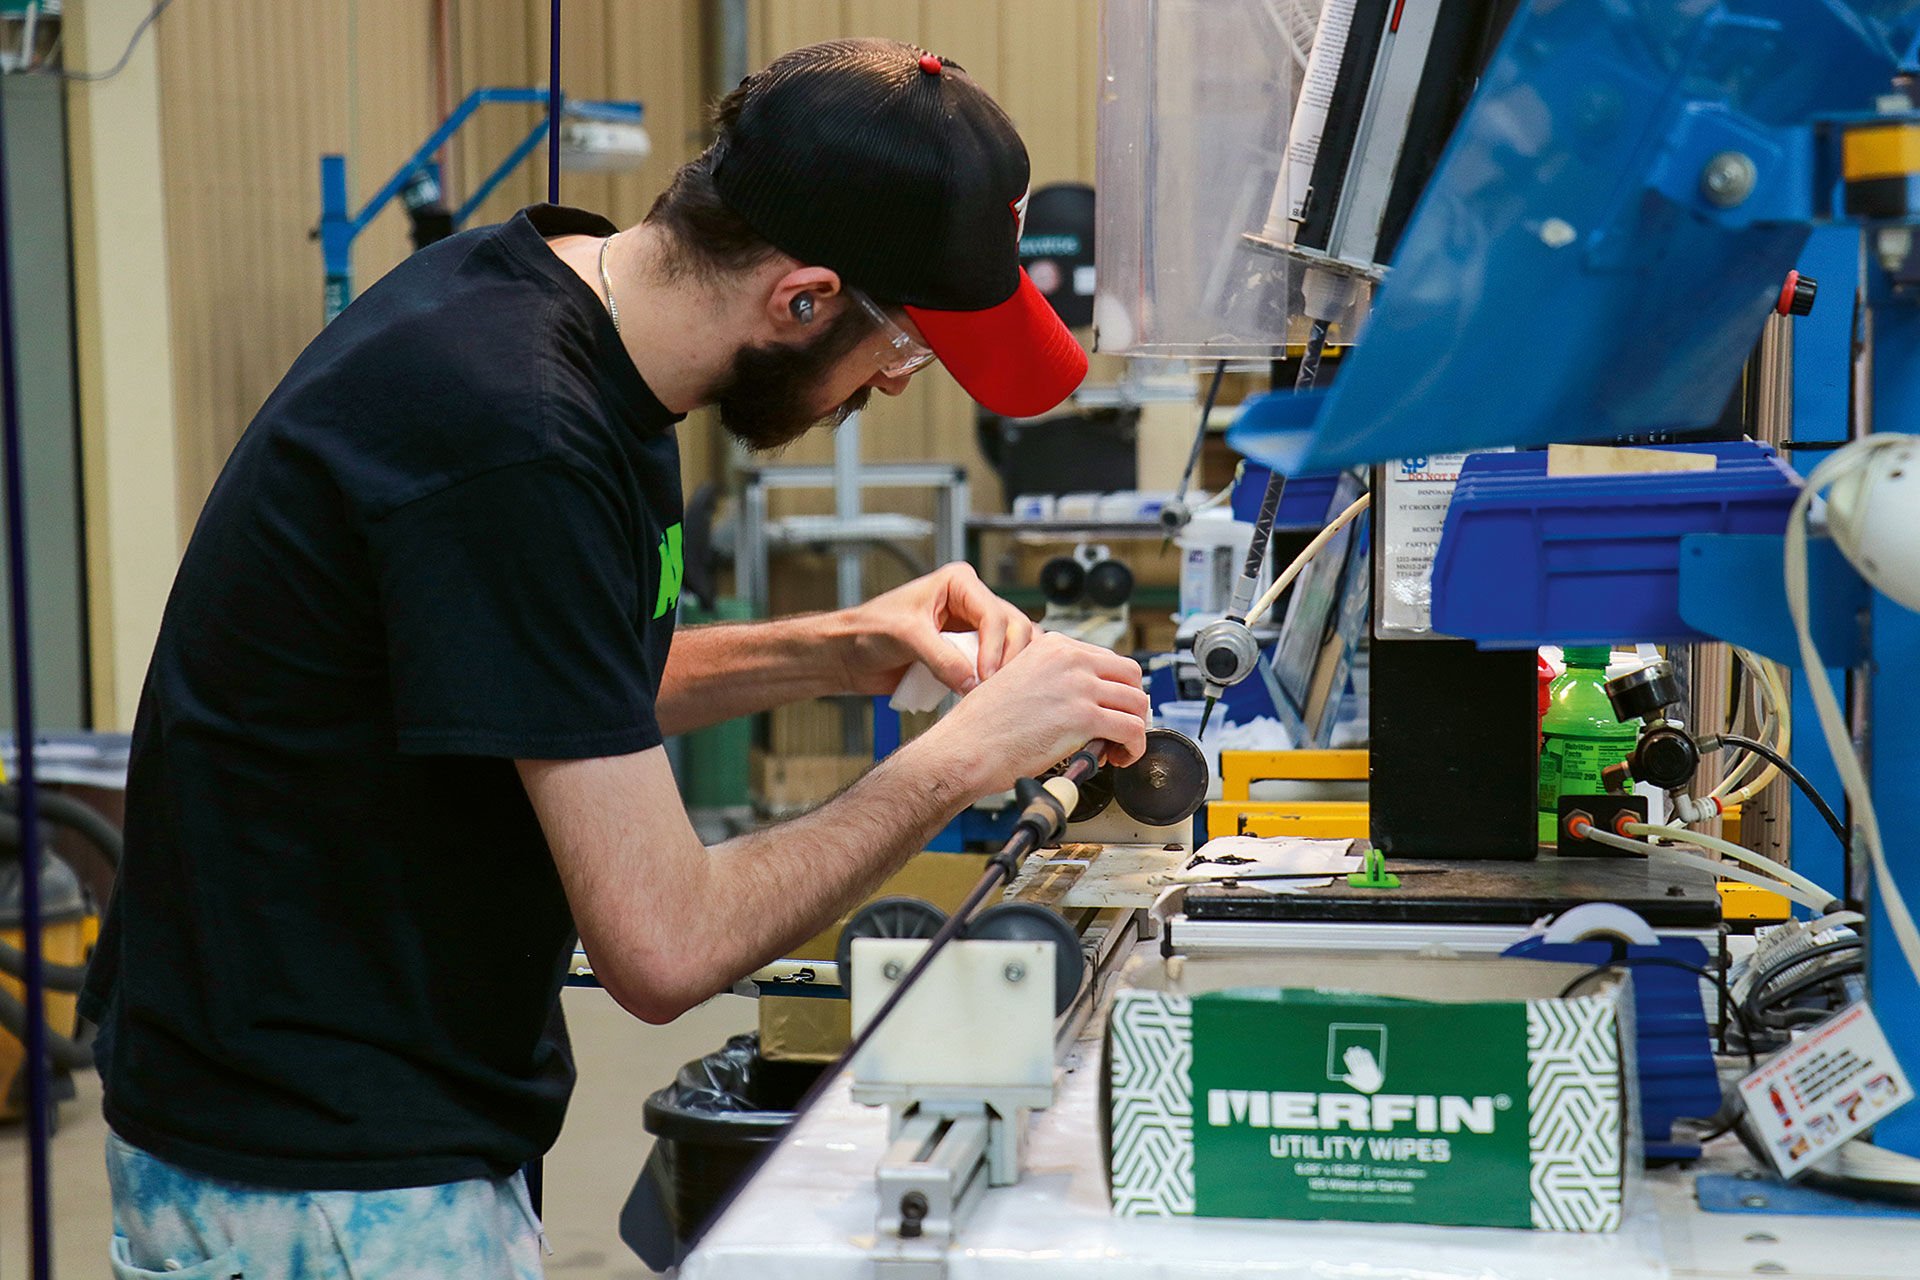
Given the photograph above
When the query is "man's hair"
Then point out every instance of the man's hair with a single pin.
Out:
(705, 239)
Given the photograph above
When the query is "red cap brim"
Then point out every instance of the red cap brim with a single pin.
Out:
(1017, 359)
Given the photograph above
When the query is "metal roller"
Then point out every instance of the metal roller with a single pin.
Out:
(1030, 922)
(1166, 785)
(892, 917)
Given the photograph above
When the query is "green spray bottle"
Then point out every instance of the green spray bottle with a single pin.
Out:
(1580, 735)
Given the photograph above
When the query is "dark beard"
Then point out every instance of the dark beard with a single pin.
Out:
(765, 400)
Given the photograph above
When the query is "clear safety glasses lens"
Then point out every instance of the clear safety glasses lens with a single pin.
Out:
(908, 353)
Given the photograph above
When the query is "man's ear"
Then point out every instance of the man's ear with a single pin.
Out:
(799, 300)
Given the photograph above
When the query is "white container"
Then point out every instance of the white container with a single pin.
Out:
(1077, 506)
(1213, 551)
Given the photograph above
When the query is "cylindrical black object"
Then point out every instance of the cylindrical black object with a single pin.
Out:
(1644, 694)
(1666, 757)
(1166, 785)
(1063, 580)
(896, 916)
(1031, 922)
(1109, 584)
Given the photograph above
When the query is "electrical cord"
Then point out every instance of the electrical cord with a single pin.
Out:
(1777, 1001)
(1753, 987)
(1731, 871)
(1200, 433)
(1739, 853)
(1733, 1109)
(1776, 729)
(1718, 979)
(64, 811)
(1765, 977)
(1225, 493)
(1307, 553)
(95, 77)
(1799, 779)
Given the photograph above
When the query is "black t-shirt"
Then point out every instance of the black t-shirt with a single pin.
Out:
(449, 539)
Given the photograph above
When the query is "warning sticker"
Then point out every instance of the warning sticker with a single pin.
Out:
(1820, 1091)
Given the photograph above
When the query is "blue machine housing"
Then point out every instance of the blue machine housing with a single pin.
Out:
(1673, 1047)
(1565, 276)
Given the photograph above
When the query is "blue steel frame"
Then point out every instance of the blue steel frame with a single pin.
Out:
(1572, 202)
(340, 226)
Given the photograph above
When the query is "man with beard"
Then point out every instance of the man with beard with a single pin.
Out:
(402, 732)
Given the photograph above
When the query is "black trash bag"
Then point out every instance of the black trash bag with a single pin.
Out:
(709, 1126)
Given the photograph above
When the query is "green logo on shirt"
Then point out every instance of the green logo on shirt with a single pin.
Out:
(672, 568)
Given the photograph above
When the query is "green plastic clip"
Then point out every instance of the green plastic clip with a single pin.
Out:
(1373, 873)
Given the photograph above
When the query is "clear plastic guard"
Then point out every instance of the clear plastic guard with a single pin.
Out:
(1196, 102)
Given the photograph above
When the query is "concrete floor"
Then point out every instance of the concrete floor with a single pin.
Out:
(621, 1060)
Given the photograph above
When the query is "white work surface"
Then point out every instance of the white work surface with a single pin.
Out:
(809, 1216)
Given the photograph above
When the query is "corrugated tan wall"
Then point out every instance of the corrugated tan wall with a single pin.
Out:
(253, 94)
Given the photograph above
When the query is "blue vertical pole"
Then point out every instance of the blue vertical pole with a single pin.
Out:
(1822, 412)
(1893, 739)
(553, 107)
(535, 1171)
(336, 234)
(39, 1206)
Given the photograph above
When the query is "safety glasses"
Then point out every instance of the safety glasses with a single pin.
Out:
(908, 353)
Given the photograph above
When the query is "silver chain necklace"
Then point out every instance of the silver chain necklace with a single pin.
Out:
(606, 284)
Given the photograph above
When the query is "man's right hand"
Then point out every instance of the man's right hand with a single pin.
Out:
(1053, 698)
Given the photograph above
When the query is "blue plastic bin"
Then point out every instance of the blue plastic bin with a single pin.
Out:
(1305, 503)
(1526, 560)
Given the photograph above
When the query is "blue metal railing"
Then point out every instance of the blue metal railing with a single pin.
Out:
(340, 225)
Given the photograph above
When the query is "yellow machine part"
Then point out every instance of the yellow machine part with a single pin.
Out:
(1236, 813)
(1750, 902)
(62, 942)
(1880, 151)
(1306, 819)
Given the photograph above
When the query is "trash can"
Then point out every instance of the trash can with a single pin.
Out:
(709, 1125)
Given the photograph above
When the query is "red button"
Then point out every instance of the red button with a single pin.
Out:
(930, 63)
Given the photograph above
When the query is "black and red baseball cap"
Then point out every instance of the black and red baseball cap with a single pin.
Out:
(892, 167)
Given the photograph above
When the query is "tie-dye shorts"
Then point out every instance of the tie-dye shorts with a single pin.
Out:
(173, 1224)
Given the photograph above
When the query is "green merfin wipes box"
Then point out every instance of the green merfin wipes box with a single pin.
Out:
(1370, 1088)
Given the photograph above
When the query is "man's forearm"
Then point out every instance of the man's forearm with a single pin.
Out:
(730, 669)
(798, 877)
(729, 909)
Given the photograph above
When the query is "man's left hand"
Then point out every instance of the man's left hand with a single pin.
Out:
(891, 632)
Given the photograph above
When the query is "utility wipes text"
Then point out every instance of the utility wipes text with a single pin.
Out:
(1396, 1125)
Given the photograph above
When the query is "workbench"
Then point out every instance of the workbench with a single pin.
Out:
(810, 1216)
